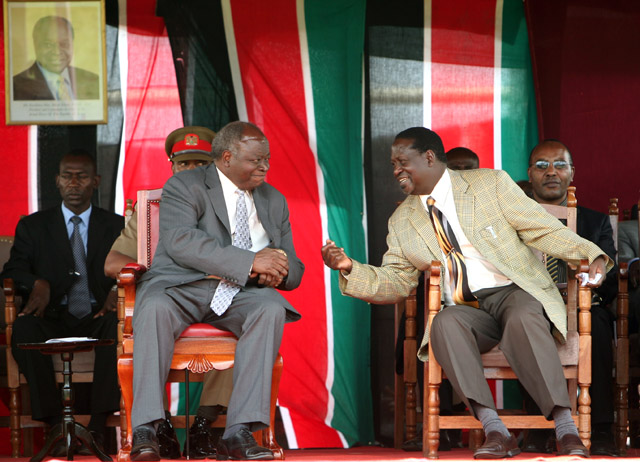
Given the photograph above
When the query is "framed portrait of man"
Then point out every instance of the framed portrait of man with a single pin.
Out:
(55, 62)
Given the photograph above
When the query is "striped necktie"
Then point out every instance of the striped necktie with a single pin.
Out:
(553, 267)
(226, 290)
(458, 280)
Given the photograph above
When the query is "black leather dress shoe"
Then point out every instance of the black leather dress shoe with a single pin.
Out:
(202, 439)
(167, 439)
(602, 444)
(242, 446)
(497, 446)
(571, 445)
(540, 440)
(145, 444)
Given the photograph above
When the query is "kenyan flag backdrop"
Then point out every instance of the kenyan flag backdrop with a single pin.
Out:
(298, 70)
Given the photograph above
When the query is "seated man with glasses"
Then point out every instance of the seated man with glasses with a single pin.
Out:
(551, 171)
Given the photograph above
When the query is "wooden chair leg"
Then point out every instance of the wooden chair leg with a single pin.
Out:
(14, 420)
(125, 374)
(267, 437)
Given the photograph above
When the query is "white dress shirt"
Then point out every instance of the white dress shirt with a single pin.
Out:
(259, 238)
(481, 273)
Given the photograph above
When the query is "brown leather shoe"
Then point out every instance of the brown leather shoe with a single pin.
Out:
(571, 445)
(497, 446)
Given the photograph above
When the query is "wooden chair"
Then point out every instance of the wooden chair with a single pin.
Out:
(575, 357)
(199, 349)
(627, 366)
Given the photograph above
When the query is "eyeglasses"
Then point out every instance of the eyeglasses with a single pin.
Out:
(557, 164)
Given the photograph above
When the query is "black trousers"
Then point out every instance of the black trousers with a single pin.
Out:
(46, 401)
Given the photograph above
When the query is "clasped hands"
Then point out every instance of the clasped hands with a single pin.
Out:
(270, 266)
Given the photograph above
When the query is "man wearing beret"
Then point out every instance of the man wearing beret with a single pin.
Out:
(187, 148)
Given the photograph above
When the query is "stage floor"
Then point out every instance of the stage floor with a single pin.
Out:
(376, 454)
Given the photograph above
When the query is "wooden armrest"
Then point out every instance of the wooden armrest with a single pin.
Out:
(127, 280)
(10, 307)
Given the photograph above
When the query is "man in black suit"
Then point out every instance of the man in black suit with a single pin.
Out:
(51, 77)
(551, 171)
(63, 298)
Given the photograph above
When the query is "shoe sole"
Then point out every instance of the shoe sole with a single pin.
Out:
(489, 455)
(148, 455)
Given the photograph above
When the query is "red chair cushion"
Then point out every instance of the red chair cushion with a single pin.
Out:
(205, 330)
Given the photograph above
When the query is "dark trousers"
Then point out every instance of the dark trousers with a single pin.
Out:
(513, 319)
(38, 368)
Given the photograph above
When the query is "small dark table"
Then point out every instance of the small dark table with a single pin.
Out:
(68, 429)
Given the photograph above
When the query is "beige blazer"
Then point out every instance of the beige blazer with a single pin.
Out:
(499, 220)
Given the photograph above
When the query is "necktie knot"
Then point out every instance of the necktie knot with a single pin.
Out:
(76, 220)
(430, 201)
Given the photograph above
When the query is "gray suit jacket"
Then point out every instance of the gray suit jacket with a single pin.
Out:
(195, 236)
(627, 240)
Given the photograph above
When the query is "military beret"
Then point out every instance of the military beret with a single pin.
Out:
(189, 143)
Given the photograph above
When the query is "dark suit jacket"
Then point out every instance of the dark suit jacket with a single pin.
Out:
(596, 227)
(31, 84)
(42, 250)
(195, 236)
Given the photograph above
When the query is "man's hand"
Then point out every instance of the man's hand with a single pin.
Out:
(110, 304)
(38, 299)
(598, 266)
(335, 258)
(271, 266)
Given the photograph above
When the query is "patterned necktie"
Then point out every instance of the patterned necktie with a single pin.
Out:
(242, 238)
(553, 268)
(79, 297)
(460, 291)
(63, 90)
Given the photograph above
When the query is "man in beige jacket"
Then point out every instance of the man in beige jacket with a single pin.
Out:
(517, 304)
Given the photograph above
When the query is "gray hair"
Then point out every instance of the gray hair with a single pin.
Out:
(43, 22)
(229, 136)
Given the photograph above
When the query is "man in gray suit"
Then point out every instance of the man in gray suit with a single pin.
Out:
(224, 233)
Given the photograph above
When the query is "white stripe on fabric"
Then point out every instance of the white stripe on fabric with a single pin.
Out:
(426, 77)
(287, 423)
(32, 168)
(123, 59)
(234, 63)
(499, 394)
(313, 145)
(497, 87)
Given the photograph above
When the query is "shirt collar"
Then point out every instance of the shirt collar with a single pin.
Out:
(442, 191)
(84, 215)
(228, 187)
(52, 76)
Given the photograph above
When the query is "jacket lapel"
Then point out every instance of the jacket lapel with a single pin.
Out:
(419, 219)
(262, 208)
(464, 203)
(57, 228)
(96, 234)
(212, 180)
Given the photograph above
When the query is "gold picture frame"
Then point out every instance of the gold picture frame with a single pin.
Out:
(55, 62)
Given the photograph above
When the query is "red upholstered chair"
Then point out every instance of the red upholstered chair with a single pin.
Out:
(199, 349)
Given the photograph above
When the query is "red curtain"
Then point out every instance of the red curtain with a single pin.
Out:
(587, 71)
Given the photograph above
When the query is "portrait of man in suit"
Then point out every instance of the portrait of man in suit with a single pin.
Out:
(51, 76)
